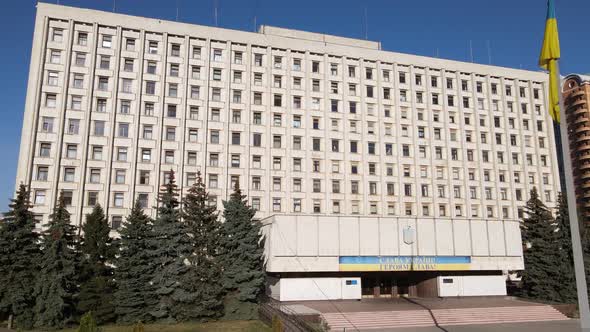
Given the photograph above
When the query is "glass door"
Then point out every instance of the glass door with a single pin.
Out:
(368, 286)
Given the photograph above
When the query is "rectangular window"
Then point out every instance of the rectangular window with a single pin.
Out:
(78, 81)
(315, 67)
(128, 65)
(120, 176)
(214, 138)
(123, 130)
(105, 62)
(71, 151)
(256, 162)
(151, 67)
(193, 135)
(235, 160)
(235, 138)
(121, 154)
(80, 59)
(130, 44)
(236, 116)
(97, 152)
(52, 78)
(98, 128)
(152, 47)
(92, 199)
(126, 85)
(73, 126)
(237, 96)
(175, 50)
(150, 87)
(118, 199)
(169, 157)
(55, 56)
(103, 83)
(67, 197)
(174, 68)
(76, 103)
(216, 74)
(257, 139)
(44, 149)
(172, 90)
(217, 55)
(82, 38)
(107, 41)
(69, 174)
(196, 53)
(216, 94)
(170, 133)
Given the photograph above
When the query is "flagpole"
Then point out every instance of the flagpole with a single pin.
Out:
(580, 272)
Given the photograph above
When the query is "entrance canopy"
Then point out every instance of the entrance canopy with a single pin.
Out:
(304, 243)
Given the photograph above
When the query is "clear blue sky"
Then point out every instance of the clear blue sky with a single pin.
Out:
(513, 27)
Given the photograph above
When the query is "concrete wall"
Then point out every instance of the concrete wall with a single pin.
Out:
(389, 129)
(310, 243)
(300, 289)
(471, 286)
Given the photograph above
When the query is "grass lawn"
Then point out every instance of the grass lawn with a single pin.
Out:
(236, 325)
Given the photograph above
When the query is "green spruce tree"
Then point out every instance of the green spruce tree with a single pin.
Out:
(541, 254)
(98, 254)
(88, 323)
(205, 273)
(57, 285)
(567, 280)
(241, 256)
(135, 296)
(172, 249)
(19, 260)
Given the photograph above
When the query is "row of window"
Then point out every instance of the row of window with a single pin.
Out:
(119, 176)
(297, 143)
(152, 46)
(147, 132)
(118, 199)
(216, 93)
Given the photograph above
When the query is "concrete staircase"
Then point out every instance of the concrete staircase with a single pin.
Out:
(352, 321)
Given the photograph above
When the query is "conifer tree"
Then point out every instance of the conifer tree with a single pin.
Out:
(88, 323)
(541, 254)
(241, 249)
(202, 218)
(98, 253)
(205, 274)
(567, 281)
(135, 296)
(57, 285)
(171, 252)
(19, 260)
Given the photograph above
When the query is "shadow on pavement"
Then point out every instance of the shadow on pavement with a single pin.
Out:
(429, 311)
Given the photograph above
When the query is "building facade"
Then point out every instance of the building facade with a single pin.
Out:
(309, 125)
(576, 98)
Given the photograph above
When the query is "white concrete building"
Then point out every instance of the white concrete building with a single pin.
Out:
(320, 131)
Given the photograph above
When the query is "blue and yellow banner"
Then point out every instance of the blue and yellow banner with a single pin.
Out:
(550, 54)
(404, 263)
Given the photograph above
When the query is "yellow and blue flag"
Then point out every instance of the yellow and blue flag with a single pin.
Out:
(550, 53)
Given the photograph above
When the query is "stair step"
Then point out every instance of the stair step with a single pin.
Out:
(455, 316)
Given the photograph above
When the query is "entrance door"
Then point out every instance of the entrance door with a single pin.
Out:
(403, 287)
(368, 286)
(385, 287)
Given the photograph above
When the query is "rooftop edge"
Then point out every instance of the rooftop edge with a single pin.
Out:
(274, 34)
(321, 37)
